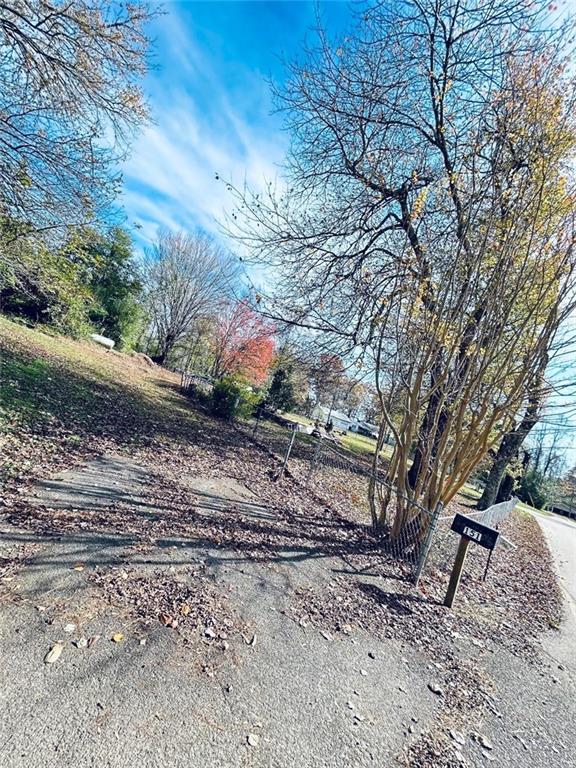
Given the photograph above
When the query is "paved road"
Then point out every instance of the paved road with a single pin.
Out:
(538, 701)
(561, 536)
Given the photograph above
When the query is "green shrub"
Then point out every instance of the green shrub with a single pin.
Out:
(199, 395)
(233, 398)
(226, 399)
(281, 392)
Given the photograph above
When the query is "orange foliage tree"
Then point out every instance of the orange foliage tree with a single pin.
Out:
(243, 344)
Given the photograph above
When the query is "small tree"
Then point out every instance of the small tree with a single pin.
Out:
(281, 391)
(243, 344)
(327, 377)
(116, 286)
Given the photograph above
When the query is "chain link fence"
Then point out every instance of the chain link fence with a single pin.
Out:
(347, 482)
(445, 543)
(189, 380)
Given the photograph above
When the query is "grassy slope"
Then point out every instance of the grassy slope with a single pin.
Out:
(62, 399)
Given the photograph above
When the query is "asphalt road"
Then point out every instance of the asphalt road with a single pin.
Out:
(537, 701)
(561, 537)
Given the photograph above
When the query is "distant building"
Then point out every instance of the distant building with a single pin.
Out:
(343, 422)
(563, 508)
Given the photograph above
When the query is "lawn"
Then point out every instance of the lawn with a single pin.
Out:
(358, 444)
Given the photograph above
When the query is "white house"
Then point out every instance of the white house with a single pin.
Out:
(343, 422)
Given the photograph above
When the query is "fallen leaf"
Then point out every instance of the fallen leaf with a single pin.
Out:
(54, 653)
(185, 609)
(457, 737)
(78, 567)
(484, 742)
(118, 637)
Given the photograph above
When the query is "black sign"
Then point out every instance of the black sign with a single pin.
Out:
(477, 532)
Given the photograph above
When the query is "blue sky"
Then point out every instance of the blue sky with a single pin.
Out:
(211, 107)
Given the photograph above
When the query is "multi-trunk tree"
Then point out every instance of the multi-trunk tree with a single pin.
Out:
(427, 222)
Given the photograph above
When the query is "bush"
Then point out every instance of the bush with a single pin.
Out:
(232, 398)
(199, 395)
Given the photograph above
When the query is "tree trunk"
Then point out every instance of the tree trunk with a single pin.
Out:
(424, 432)
(510, 446)
(506, 489)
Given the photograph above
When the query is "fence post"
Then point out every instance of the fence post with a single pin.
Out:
(288, 452)
(315, 458)
(258, 419)
(427, 542)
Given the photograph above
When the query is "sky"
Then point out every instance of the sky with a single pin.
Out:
(211, 106)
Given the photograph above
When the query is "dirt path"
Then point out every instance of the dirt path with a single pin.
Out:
(302, 697)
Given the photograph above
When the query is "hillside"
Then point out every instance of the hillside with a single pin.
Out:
(61, 400)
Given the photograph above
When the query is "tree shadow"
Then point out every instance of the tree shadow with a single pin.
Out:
(396, 602)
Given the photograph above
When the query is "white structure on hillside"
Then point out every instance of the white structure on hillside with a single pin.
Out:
(105, 342)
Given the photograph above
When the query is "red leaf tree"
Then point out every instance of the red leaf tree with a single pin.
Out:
(243, 344)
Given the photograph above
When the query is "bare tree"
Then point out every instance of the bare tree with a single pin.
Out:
(427, 223)
(189, 278)
(69, 102)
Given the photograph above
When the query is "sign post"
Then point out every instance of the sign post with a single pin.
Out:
(469, 530)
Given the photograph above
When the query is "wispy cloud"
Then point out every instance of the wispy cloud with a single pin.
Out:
(211, 116)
